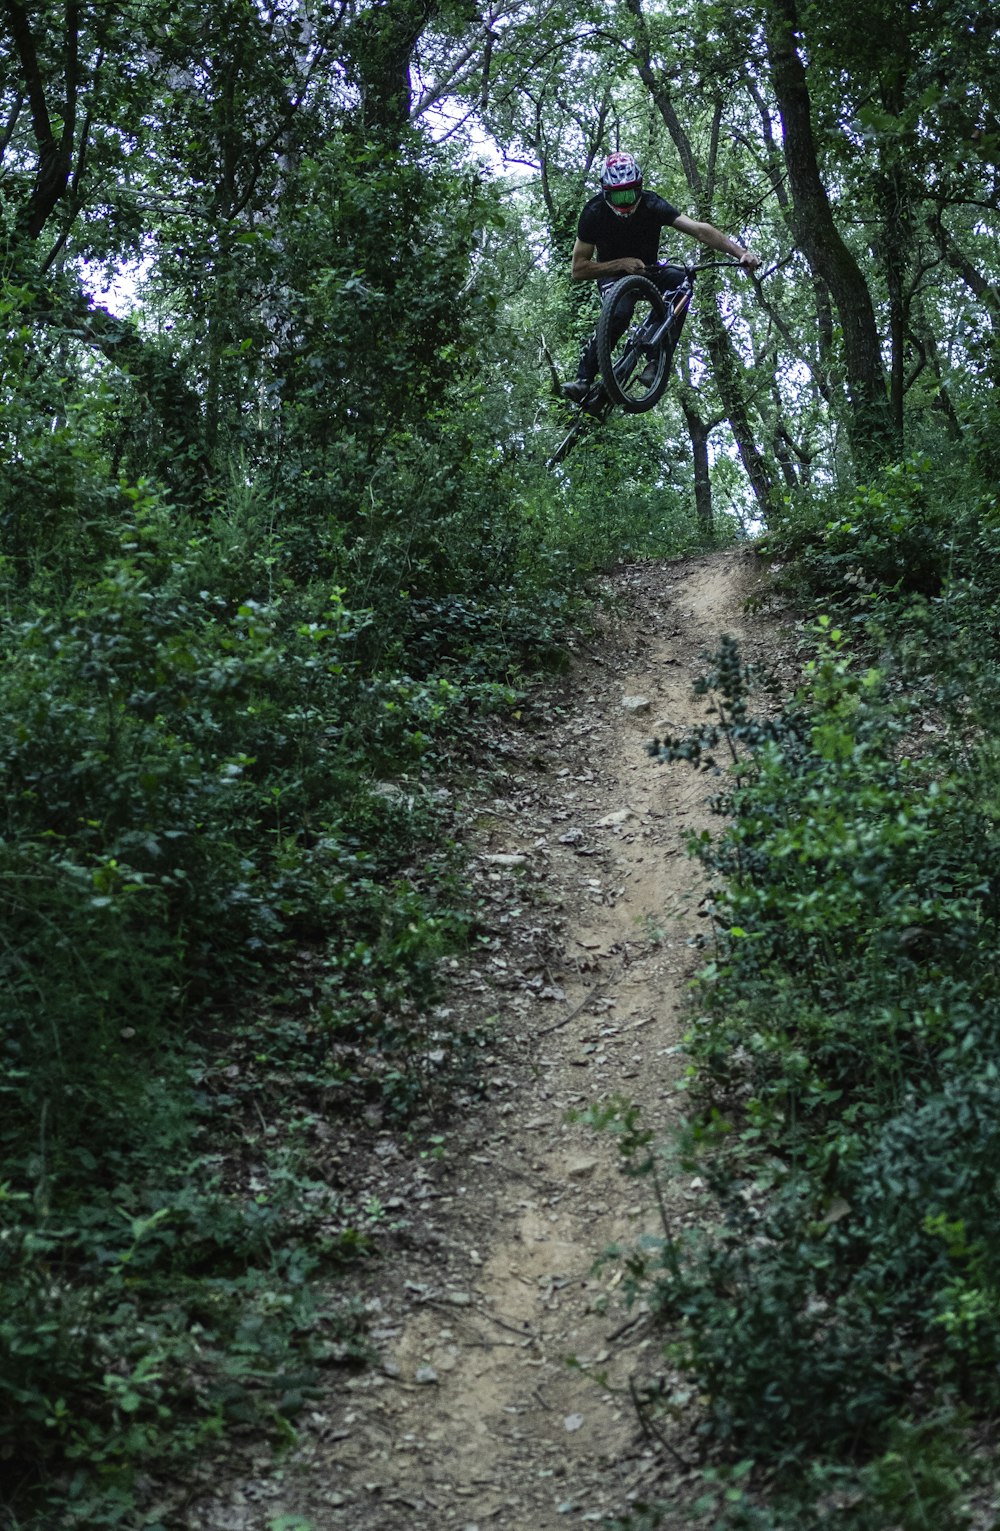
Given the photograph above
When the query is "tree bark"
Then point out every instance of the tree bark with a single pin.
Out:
(726, 363)
(380, 46)
(873, 438)
(727, 367)
(698, 431)
(55, 155)
(985, 292)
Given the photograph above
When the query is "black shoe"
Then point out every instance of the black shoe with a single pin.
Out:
(596, 404)
(577, 390)
(647, 377)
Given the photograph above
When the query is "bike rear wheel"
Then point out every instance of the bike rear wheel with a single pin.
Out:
(624, 361)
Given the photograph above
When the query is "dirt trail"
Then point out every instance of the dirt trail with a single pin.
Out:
(475, 1420)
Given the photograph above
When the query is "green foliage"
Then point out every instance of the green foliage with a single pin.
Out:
(149, 1325)
(841, 1317)
(895, 538)
(921, 1481)
(226, 890)
(189, 810)
(386, 334)
(271, 544)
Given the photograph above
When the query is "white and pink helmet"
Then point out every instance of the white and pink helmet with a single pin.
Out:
(621, 182)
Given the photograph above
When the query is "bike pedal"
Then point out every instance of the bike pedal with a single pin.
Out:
(595, 401)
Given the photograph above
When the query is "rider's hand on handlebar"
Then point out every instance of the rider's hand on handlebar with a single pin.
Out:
(751, 260)
(631, 265)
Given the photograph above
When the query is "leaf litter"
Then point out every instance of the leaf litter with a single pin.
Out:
(486, 1311)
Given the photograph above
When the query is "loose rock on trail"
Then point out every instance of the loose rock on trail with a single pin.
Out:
(501, 1398)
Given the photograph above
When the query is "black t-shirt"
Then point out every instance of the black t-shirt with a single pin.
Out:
(638, 235)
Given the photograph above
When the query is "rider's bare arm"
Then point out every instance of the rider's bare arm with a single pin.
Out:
(716, 240)
(587, 269)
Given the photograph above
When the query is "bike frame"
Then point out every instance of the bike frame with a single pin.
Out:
(684, 295)
(662, 333)
(664, 336)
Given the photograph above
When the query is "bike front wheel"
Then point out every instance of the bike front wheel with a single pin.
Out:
(633, 370)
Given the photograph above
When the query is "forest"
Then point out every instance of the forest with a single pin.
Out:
(284, 290)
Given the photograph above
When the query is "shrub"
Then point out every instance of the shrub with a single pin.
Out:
(842, 1085)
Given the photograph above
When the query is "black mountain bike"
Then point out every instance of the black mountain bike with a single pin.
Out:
(635, 366)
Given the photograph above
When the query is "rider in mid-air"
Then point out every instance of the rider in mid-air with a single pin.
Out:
(622, 225)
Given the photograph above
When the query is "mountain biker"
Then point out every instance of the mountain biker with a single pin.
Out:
(622, 226)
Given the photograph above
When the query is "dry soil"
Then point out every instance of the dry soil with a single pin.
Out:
(501, 1401)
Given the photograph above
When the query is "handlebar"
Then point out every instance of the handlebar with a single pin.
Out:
(691, 267)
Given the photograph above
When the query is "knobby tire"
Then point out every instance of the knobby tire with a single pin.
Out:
(622, 363)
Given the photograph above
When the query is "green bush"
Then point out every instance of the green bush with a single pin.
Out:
(191, 818)
(148, 1325)
(842, 1076)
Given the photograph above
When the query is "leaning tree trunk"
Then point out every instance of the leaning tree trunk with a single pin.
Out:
(984, 290)
(727, 369)
(873, 438)
(725, 358)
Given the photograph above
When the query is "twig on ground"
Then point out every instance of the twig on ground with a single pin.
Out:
(624, 1328)
(588, 999)
(651, 1433)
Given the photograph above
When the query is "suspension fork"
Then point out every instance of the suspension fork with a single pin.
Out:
(671, 323)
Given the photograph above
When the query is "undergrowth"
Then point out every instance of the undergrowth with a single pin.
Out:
(228, 883)
(261, 584)
(840, 1316)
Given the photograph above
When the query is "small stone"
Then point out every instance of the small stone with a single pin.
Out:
(506, 859)
(620, 816)
(582, 1169)
(572, 1422)
(390, 790)
(635, 704)
(425, 1375)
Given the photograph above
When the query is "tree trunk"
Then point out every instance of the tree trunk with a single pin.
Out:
(893, 188)
(872, 436)
(897, 330)
(55, 154)
(698, 431)
(380, 47)
(727, 367)
(725, 360)
(985, 292)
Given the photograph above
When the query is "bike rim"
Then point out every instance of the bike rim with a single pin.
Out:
(631, 354)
